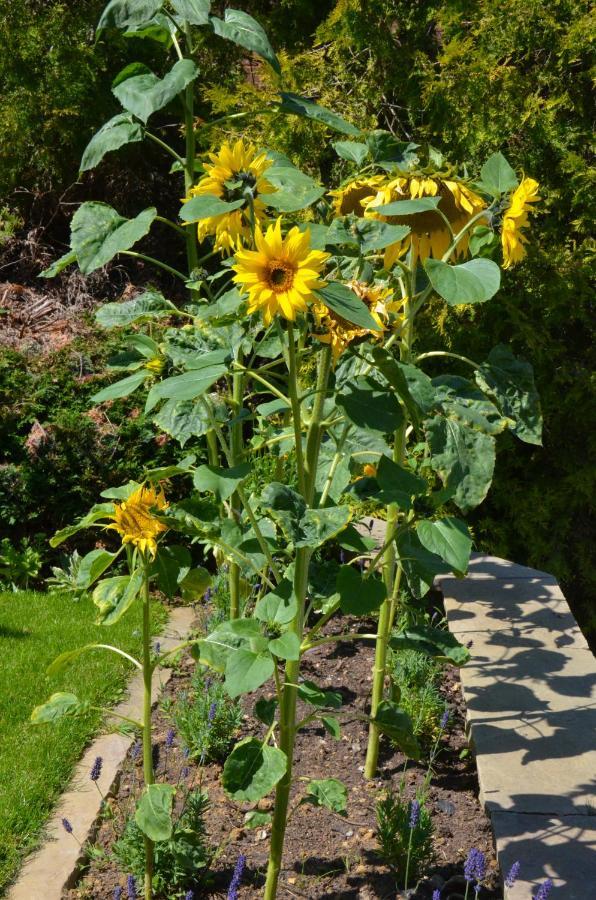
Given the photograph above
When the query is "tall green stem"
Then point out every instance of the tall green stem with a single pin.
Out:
(189, 163)
(307, 468)
(236, 453)
(391, 576)
(147, 743)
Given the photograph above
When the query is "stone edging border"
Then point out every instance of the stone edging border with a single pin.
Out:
(53, 866)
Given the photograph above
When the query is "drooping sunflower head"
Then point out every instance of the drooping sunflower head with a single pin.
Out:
(281, 274)
(515, 219)
(135, 520)
(354, 196)
(333, 329)
(231, 174)
(429, 235)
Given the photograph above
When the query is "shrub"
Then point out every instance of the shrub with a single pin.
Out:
(415, 676)
(206, 719)
(398, 840)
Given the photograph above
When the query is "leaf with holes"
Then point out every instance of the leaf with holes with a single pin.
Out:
(464, 459)
(510, 382)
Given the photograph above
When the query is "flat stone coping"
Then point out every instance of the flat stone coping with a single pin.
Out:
(53, 867)
(530, 692)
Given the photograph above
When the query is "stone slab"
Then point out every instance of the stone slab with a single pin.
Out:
(561, 848)
(52, 868)
(483, 566)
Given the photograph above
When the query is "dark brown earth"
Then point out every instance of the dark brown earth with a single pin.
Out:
(326, 855)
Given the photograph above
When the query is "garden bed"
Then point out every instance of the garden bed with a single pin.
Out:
(326, 855)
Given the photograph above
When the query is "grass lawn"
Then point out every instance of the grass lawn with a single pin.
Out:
(37, 761)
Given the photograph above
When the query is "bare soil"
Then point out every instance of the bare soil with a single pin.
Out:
(326, 855)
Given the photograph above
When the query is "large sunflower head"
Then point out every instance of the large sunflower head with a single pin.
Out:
(333, 329)
(281, 274)
(429, 235)
(230, 173)
(135, 521)
(354, 196)
(515, 219)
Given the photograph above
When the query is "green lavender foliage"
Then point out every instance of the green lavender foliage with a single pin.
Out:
(416, 677)
(206, 718)
(395, 836)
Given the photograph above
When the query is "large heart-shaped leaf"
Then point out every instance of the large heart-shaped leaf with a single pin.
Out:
(196, 12)
(286, 646)
(252, 770)
(57, 707)
(464, 459)
(219, 481)
(420, 565)
(153, 814)
(278, 606)
(397, 725)
(302, 106)
(359, 596)
(368, 404)
(353, 151)
(327, 792)
(471, 282)
(98, 233)
(347, 304)
(397, 484)
(182, 420)
(92, 565)
(450, 539)
(242, 29)
(144, 94)
(146, 307)
(408, 207)
(294, 189)
(247, 670)
(207, 370)
(120, 130)
(122, 388)
(170, 566)
(113, 596)
(205, 206)
(436, 642)
(497, 176)
(125, 14)
(510, 382)
(320, 525)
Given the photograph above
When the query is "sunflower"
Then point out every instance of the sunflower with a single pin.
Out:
(134, 520)
(429, 235)
(354, 196)
(340, 333)
(281, 274)
(233, 170)
(515, 219)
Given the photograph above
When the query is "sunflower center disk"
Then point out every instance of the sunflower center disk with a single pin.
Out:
(280, 276)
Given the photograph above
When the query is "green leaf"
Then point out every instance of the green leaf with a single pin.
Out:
(332, 726)
(142, 95)
(92, 565)
(57, 707)
(247, 670)
(347, 304)
(170, 565)
(196, 12)
(219, 481)
(397, 725)
(194, 584)
(154, 811)
(215, 649)
(242, 29)
(316, 696)
(124, 14)
(351, 539)
(252, 770)
(460, 399)
(436, 642)
(353, 151)
(205, 206)
(264, 710)
(497, 176)
(182, 420)
(408, 207)
(510, 382)
(117, 132)
(420, 566)
(450, 539)
(122, 388)
(191, 384)
(98, 233)
(471, 282)
(294, 189)
(302, 106)
(359, 596)
(482, 240)
(160, 28)
(464, 459)
(376, 235)
(145, 308)
(396, 374)
(384, 148)
(59, 265)
(278, 606)
(327, 792)
(368, 404)
(97, 512)
(397, 484)
(319, 525)
(113, 596)
(287, 646)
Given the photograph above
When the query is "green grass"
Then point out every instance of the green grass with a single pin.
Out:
(36, 762)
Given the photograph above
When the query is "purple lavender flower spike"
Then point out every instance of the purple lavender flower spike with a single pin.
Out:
(211, 713)
(185, 772)
(157, 648)
(544, 890)
(342, 557)
(96, 769)
(189, 896)
(67, 826)
(475, 866)
(186, 752)
(137, 747)
(445, 719)
(436, 894)
(155, 756)
(118, 893)
(513, 874)
(170, 738)
(236, 878)
(131, 888)
(414, 814)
